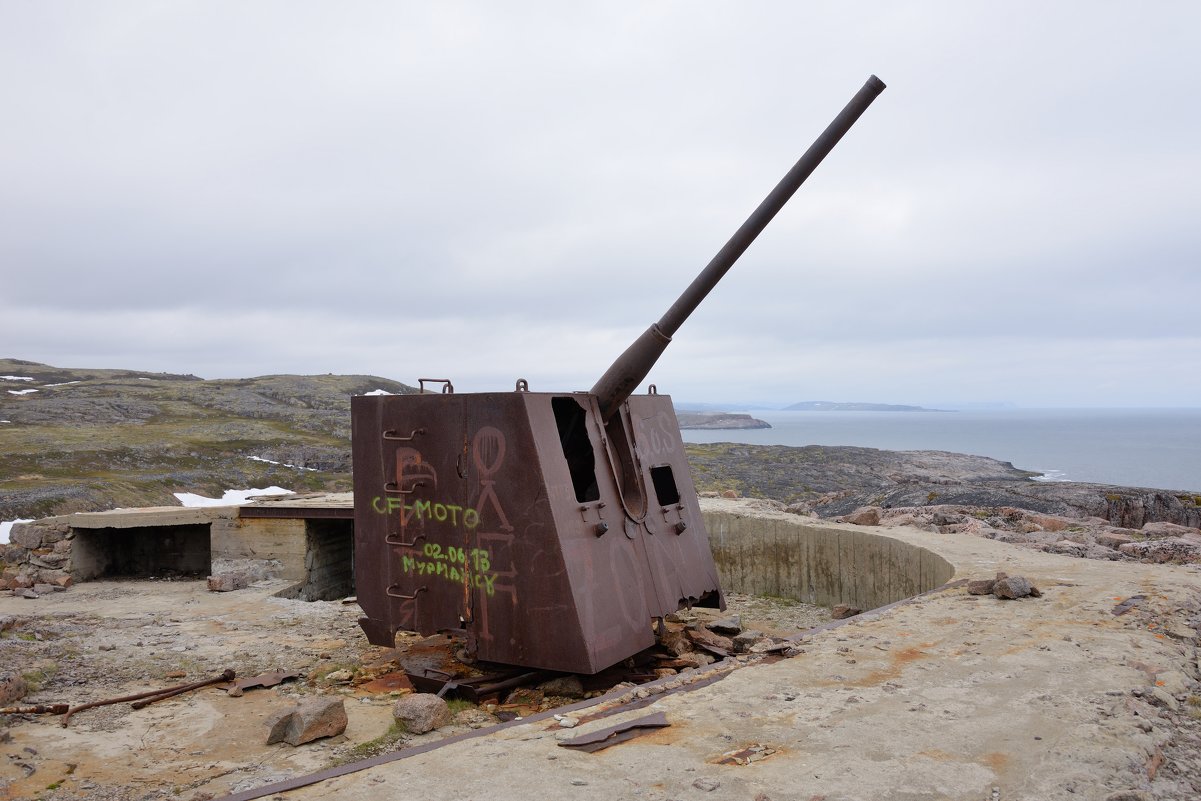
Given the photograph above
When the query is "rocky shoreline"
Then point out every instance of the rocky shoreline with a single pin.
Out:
(957, 493)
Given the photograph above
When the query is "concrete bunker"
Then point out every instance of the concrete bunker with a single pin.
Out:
(328, 573)
(183, 551)
(818, 563)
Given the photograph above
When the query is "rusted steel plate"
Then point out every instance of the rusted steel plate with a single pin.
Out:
(603, 738)
(549, 539)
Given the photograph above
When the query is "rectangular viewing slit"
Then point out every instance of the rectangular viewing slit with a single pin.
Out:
(665, 485)
(577, 448)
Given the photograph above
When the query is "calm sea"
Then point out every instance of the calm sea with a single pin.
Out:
(1158, 448)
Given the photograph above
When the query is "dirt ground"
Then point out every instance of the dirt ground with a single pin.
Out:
(108, 639)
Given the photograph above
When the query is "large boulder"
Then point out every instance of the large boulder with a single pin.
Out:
(309, 720)
(1173, 549)
(27, 535)
(421, 712)
(12, 688)
(863, 516)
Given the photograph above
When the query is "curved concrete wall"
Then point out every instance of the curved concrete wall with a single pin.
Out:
(819, 564)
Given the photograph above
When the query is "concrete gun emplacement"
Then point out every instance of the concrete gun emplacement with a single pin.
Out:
(547, 528)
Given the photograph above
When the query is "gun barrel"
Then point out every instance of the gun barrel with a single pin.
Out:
(628, 371)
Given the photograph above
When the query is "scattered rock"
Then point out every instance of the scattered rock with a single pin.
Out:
(711, 642)
(43, 589)
(696, 659)
(863, 516)
(1114, 539)
(1068, 548)
(309, 720)
(843, 611)
(25, 592)
(525, 696)
(746, 640)
(27, 535)
(728, 626)
(708, 785)
(1164, 698)
(981, 586)
(228, 582)
(1013, 587)
(672, 638)
(422, 712)
(1174, 549)
(1161, 530)
(729, 494)
(12, 688)
(475, 718)
(237, 574)
(342, 676)
(563, 686)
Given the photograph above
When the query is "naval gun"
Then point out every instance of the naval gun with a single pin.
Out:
(547, 528)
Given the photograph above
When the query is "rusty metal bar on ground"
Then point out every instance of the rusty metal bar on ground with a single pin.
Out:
(603, 738)
(149, 696)
(39, 709)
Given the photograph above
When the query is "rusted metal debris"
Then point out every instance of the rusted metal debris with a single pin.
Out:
(549, 527)
(603, 738)
(150, 696)
(264, 680)
(1128, 604)
(745, 756)
(474, 688)
(37, 709)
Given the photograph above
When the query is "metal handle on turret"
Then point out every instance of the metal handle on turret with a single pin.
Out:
(625, 374)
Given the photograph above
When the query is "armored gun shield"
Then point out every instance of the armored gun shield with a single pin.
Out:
(548, 536)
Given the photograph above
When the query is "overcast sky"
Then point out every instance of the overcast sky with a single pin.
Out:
(486, 191)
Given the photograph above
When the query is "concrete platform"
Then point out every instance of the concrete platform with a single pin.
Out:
(949, 696)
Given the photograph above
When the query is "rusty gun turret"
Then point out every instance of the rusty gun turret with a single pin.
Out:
(546, 528)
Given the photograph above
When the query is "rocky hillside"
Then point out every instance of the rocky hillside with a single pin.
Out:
(79, 440)
(83, 439)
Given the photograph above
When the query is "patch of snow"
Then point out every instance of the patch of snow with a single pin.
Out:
(379, 392)
(63, 384)
(21, 391)
(143, 378)
(230, 498)
(281, 464)
(16, 377)
(7, 526)
(5, 421)
(1056, 476)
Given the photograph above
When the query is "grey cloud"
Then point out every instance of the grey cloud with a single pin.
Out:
(524, 188)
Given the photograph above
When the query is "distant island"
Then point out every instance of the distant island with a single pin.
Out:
(830, 406)
(717, 420)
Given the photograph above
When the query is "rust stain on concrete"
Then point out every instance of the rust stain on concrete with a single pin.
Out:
(899, 660)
